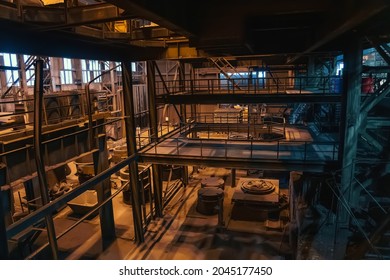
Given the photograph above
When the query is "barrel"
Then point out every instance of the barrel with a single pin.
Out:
(208, 200)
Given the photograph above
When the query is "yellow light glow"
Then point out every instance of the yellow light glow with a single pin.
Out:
(51, 2)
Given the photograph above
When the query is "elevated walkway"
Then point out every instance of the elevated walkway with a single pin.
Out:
(297, 152)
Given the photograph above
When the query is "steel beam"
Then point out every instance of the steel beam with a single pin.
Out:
(8, 11)
(151, 79)
(4, 255)
(157, 189)
(153, 124)
(205, 98)
(103, 189)
(182, 75)
(129, 112)
(81, 15)
(351, 120)
(40, 165)
(372, 141)
(376, 69)
(233, 177)
(3, 67)
(152, 12)
(333, 29)
(148, 33)
(377, 122)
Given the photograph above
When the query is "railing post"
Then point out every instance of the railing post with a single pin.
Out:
(300, 84)
(305, 151)
(225, 149)
(251, 148)
(201, 148)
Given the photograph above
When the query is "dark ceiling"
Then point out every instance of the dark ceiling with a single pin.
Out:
(216, 28)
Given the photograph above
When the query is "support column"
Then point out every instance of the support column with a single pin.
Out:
(350, 123)
(3, 231)
(106, 213)
(157, 183)
(128, 103)
(351, 119)
(311, 69)
(23, 85)
(38, 104)
(185, 175)
(157, 189)
(152, 100)
(3, 78)
(55, 69)
(233, 177)
(193, 106)
(182, 86)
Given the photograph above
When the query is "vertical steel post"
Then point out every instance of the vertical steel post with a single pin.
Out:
(4, 255)
(220, 211)
(38, 104)
(152, 99)
(103, 189)
(351, 118)
(157, 183)
(182, 86)
(128, 103)
(350, 123)
(233, 177)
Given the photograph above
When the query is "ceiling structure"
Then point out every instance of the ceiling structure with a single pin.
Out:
(189, 29)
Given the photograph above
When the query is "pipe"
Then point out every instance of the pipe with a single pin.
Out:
(38, 105)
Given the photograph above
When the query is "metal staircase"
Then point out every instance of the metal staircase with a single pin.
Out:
(373, 178)
(297, 114)
(227, 69)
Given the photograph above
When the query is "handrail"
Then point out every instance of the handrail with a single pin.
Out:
(54, 205)
(253, 85)
(278, 147)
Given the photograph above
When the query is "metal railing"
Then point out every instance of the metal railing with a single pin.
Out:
(298, 85)
(244, 149)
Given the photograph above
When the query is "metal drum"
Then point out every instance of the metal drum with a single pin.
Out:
(213, 182)
(208, 200)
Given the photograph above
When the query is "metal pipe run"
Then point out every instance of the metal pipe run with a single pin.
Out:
(38, 105)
